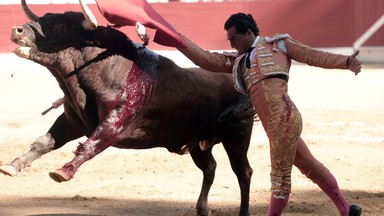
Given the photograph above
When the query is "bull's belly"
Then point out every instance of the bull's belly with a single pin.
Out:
(146, 138)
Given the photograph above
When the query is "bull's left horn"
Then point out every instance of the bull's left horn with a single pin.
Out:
(90, 20)
(28, 12)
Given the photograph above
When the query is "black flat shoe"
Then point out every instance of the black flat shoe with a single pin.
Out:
(354, 210)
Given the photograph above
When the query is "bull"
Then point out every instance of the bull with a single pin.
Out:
(119, 93)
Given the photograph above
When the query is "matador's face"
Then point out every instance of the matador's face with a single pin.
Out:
(240, 42)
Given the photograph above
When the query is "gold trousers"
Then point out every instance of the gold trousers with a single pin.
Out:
(283, 124)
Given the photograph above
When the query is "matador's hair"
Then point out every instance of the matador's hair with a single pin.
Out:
(242, 22)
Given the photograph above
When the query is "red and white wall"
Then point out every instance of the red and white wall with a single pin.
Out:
(325, 23)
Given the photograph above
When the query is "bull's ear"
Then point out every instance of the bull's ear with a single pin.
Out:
(90, 22)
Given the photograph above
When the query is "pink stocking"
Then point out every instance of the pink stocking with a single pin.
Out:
(277, 205)
(330, 187)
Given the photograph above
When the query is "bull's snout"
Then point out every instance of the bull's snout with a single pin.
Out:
(18, 29)
(17, 33)
(20, 36)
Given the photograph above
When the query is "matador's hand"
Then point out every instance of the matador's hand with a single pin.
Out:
(353, 63)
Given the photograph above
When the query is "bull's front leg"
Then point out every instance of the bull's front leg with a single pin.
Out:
(41, 146)
(61, 132)
(104, 136)
(123, 109)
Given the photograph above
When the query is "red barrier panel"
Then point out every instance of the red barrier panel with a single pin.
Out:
(325, 23)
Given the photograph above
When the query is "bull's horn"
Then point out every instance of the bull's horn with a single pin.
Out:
(28, 12)
(90, 20)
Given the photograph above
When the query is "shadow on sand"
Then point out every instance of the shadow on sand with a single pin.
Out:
(301, 203)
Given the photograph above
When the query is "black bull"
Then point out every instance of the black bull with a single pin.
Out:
(118, 93)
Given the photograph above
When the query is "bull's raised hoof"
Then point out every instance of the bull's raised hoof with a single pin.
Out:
(61, 175)
(8, 170)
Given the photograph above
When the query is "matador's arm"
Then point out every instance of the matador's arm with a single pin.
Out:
(212, 61)
(305, 54)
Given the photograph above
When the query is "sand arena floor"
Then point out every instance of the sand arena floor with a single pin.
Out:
(343, 126)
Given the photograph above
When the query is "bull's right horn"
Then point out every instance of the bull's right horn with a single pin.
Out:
(90, 20)
(28, 12)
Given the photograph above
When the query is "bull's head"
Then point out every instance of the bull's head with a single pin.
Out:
(54, 32)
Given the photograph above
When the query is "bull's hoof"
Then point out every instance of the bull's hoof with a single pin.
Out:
(8, 170)
(204, 212)
(60, 175)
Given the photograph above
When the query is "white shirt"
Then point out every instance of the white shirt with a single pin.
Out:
(253, 52)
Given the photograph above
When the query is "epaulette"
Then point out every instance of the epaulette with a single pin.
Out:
(276, 37)
(231, 54)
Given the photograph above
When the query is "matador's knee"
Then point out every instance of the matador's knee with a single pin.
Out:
(315, 171)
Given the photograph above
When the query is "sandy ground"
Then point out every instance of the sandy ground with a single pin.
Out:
(343, 126)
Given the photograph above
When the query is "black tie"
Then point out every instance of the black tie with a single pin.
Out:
(247, 58)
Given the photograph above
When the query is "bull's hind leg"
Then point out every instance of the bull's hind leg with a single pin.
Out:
(237, 153)
(60, 133)
(206, 163)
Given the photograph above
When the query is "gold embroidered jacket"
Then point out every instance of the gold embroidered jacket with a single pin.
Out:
(269, 60)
